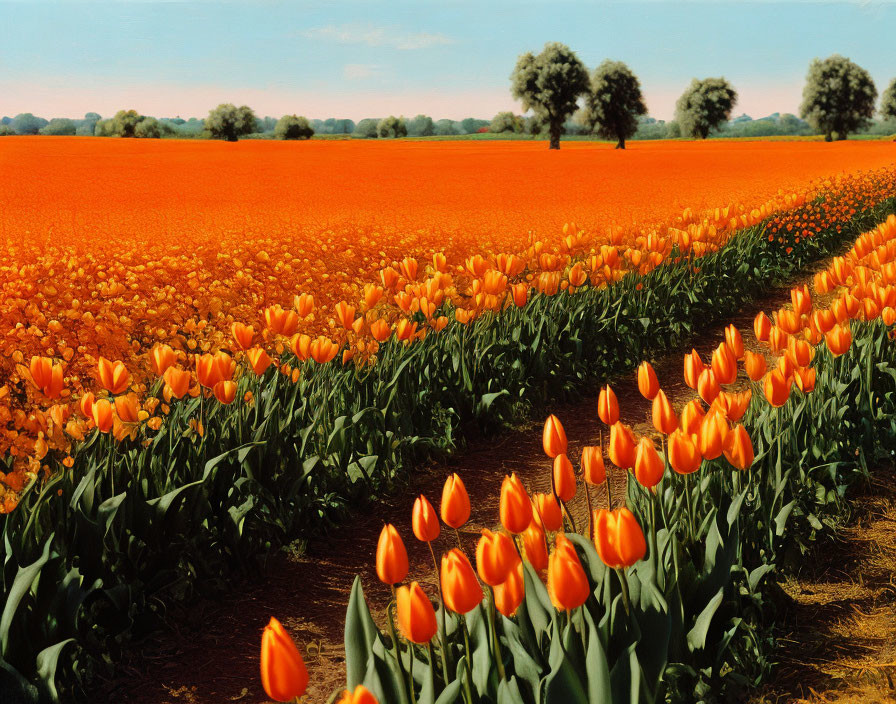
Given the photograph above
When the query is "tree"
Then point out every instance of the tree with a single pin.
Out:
(293, 127)
(391, 127)
(614, 102)
(704, 106)
(26, 123)
(148, 128)
(472, 125)
(421, 126)
(227, 121)
(888, 102)
(6, 130)
(838, 97)
(550, 84)
(366, 128)
(445, 128)
(124, 123)
(506, 122)
(59, 126)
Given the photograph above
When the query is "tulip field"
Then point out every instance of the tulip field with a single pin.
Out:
(196, 371)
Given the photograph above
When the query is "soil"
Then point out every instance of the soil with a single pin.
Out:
(208, 654)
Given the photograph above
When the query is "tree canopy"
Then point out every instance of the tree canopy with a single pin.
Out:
(293, 127)
(704, 106)
(614, 102)
(227, 121)
(838, 98)
(888, 102)
(549, 84)
(391, 127)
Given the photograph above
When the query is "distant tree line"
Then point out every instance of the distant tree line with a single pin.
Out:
(560, 98)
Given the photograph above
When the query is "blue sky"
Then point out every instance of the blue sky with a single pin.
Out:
(450, 58)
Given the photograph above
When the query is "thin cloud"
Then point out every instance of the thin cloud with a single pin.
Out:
(370, 35)
(357, 72)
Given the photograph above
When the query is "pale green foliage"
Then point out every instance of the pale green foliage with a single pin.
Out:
(614, 103)
(549, 85)
(26, 123)
(366, 128)
(6, 131)
(506, 122)
(704, 106)
(391, 127)
(421, 126)
(293, 127)
(888, 102)
(59, 126)
(227, 121)
(838, 98)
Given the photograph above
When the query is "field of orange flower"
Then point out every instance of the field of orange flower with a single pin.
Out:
(198, 369)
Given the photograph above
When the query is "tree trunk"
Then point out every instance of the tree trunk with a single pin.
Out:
(555, 136)
(621, 143)
(828, 137)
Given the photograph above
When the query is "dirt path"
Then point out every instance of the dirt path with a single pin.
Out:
(209, 655)
(841, 623)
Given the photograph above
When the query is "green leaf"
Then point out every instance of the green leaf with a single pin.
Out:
(697, 635)
(360, 635)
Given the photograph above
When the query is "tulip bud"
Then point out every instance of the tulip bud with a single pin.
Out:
(424, 520)
(664, 418)
(391, 556)
(495, 556)
(684, 454)
(734, 341)
(515, 506)
(649, 468)
(648, 384)
(708, 386)
(553, 437)
(548, 514)
(564, 478)
(762, 327)
(510, 593)
(622, 446)
(460, 588)
(593, 465)
(568, 586)
(360, 695)
(455, 507)
(535, 547)
(693, 367)
(416, 617)
(618, 537)
(608, 406)
(738, 448)
(283, 673)
(754, 365)
(777, 388)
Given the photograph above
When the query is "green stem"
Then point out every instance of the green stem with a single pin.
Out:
(443, 630)
(468, 682)
(495, 639)
(623, 582)
(397, 643)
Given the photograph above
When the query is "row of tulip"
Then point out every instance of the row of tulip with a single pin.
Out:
(664, 597)
(243, 462)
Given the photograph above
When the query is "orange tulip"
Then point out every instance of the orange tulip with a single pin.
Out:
(618, 538)
(360, 695)
(649, 467)
(608, 406)
(888, 315)
(102, 415)
(280, 321)
(724, 364)
(85, 403)
(738, 448)
(799, 351)
(495, 557)
(113, 376)
(455, 507)
(391, 556)
(283, 673)
(162, 357)
(789, 321)
(510, 593)
(460, 588)
(416, 617)
(593, 465)
(515, 507)
(713, 432)
(553, 437)
(754, 365)
(208, 371)
(225, 392)
(622, 446)
(127, 408)
(323, 350)
(786, 366)
(424, 520)
(734, 405)
(851, 303)
(259, 360)
(380, 330)
(839, 340)
(664, 418)
(535, 548)
(777, 339)
(691, 417)
(304, 304)
(567, 584)
(345, 314)
(242, 335)
(520, 293)
(805, 379)
(47, 376)
(777, 388)
(801, 300)
(693, 367)
(734, 341)
(648, 384)
(762, 326)
(177, 381)
(684, 452)
(824, 320)
(300, 344)
(708, 386)
(564, 478)
(548, 514)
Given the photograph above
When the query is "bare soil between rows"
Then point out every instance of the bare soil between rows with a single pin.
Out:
(208, 653)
